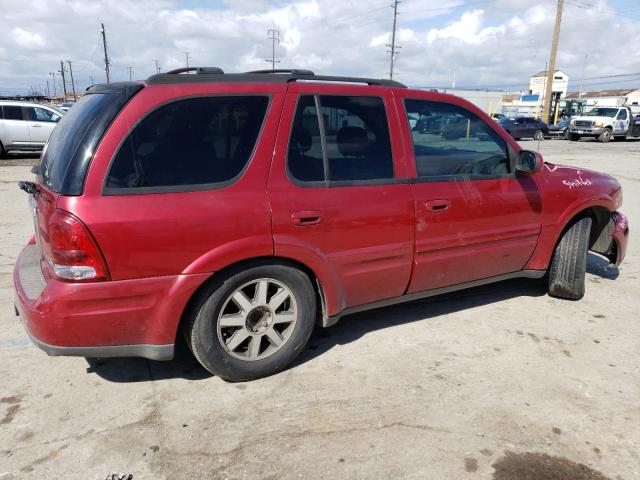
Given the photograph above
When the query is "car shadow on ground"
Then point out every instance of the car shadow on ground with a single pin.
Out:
(349, 329)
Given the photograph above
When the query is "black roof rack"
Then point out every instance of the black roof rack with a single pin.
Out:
(214, 74)
(198, 70)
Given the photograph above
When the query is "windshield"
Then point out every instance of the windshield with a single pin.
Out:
(602, 112)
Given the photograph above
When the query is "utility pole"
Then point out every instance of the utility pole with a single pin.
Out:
(273, 35)
(130, 72)
(48, 91)
(584, 66)
(548, 93)
(186, 56)
(157, 67)
(453, 83)
(64, 83)
(91, 80)
(53, 78)
(73, 85)
(104, 46)
(392, 46)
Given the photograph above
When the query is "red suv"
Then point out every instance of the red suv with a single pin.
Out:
(243, 209)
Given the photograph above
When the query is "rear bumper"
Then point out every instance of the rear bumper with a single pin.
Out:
(103, 319)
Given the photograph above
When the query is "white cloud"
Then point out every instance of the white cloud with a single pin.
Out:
(501, 44)
(26, 39)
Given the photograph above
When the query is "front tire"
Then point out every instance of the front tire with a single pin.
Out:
(252, 322)
(574, 137)
(569, 264)
(605, 136)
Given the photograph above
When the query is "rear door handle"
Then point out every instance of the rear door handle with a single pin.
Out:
(437, 205)
(306, 217)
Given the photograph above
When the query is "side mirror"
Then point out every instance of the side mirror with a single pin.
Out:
(528, 162)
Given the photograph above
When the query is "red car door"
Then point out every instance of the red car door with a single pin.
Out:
(338, 192)
(475, 218)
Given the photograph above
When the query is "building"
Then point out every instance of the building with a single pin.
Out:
(538, 83)
(608, 98)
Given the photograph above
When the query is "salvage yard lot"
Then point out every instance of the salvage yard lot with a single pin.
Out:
(471, 385)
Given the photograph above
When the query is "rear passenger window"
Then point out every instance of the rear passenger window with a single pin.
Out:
(356, 143)
(197, 141)
(12, 112)
(449, 141)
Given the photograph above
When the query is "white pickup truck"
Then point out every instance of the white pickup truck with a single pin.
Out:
(605, 123)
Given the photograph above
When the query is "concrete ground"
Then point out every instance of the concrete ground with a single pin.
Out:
(498, 382)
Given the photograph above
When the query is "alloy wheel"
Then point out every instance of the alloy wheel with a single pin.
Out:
(257, 319)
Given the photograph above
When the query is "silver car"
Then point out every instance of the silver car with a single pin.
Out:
(26, 126)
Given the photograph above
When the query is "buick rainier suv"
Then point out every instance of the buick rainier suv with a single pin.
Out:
(242, 210)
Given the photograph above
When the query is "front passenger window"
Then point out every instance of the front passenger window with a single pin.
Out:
(450, 141)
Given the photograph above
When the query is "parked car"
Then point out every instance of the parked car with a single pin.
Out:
(65, 106)
(242, 210)
(525, 127)
(560, 129)
(25, 126)
(498, 116)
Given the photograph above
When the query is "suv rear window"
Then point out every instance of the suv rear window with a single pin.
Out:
(72, 143)
(201, 141)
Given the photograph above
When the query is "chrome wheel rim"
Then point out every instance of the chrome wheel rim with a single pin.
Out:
(257, 319)
(539, 135)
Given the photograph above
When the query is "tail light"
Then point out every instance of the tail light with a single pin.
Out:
(71, 250)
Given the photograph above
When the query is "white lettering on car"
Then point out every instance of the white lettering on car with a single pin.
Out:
(577, 182)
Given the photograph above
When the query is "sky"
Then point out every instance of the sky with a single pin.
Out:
(493, 44)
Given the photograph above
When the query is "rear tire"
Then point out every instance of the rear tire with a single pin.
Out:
(538, 135)
(569, 264)
(605, 136)
(239, 334)
(3, 152)
(566, 135)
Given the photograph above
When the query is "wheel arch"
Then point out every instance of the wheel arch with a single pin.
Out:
(197, 295)
(600, 213)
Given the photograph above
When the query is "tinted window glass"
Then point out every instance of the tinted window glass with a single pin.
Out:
(71, 146)
(455, 142)
(304, 157)
(622, 115)
(190, 142)
(357, 140)
(12, 112)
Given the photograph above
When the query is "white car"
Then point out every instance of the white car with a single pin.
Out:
(26, 126)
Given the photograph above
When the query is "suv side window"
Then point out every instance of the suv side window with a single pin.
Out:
(12, 112)
(457, 143)
(348, 141)
(195, 141)
(622, 114)
(41, 115)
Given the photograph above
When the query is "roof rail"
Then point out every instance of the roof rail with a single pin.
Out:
(198, 70)
(292, 71)
(214, 74)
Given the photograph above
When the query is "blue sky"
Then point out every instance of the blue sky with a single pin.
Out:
(489, 43)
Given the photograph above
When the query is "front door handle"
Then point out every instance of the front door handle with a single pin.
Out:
(306, 217)
(36, 125)
(437, 205)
